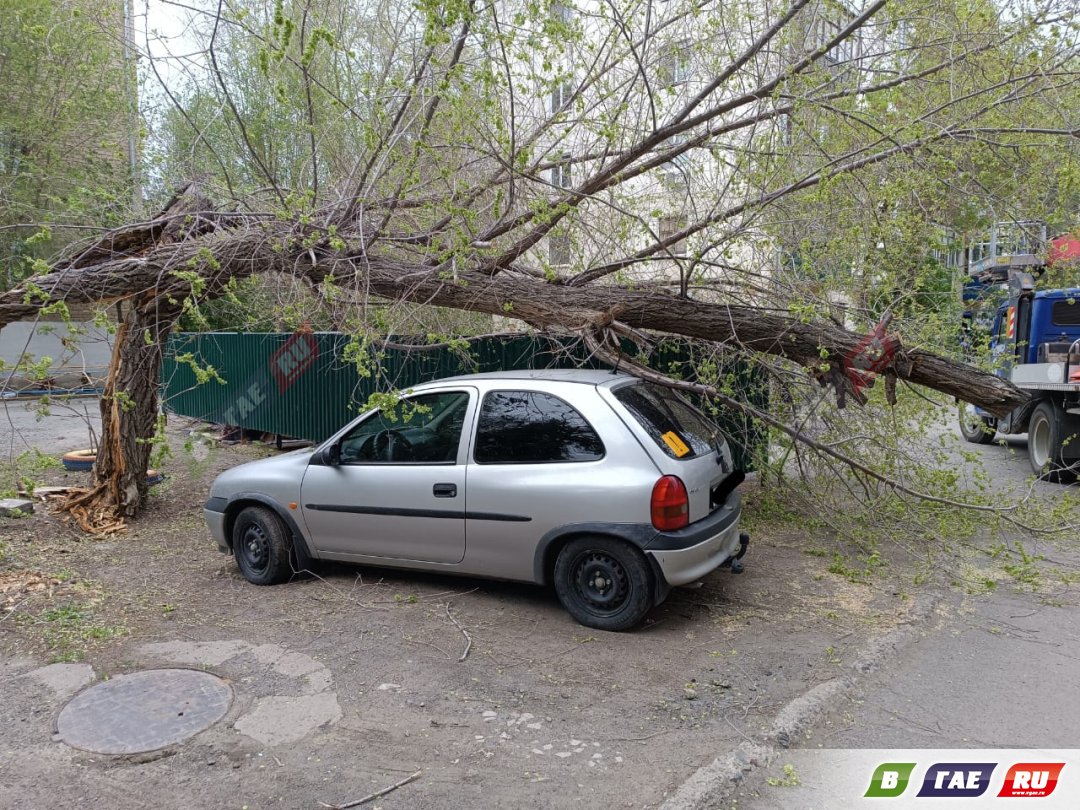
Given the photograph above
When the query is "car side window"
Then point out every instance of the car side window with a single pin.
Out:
(531, 427)
(424, 429)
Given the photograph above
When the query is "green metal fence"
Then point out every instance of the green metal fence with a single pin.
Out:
(302, 385)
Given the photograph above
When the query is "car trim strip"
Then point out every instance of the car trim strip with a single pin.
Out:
(428, 513)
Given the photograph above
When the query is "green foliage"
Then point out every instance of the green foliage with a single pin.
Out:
(393, 407)
(159, 442)
(69, 629)
(22, 472)
(856, 574)
(789, 779)
(66, 110)
(203, 373)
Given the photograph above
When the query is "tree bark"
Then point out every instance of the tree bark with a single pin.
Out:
(129, 409)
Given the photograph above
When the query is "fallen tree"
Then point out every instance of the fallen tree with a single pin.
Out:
(151, 269)
(161, 271)
(442, 186)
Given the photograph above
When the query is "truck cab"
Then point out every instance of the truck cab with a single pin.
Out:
(1035, 342)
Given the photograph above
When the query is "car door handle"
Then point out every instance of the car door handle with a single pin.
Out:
(444, 490)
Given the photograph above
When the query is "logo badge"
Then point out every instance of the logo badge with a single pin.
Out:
(960, 779)
(890, 779)
(1031, 779)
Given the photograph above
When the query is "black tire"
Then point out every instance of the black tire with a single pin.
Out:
(1047, 431)
(84, 460)
(974, 428)
(603, 583)
(262, 546)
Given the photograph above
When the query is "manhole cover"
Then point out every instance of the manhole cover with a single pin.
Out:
(143, 711)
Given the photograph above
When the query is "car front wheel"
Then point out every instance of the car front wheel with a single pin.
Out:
(603, 583)
(261, 545)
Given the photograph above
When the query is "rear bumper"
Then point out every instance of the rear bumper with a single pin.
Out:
(689, 554)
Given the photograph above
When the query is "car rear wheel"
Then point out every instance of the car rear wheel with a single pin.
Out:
(603, 583)
(261, 545)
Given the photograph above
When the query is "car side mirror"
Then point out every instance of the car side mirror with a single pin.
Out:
(331, 455)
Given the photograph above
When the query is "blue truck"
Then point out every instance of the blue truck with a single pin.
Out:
(1035, 342)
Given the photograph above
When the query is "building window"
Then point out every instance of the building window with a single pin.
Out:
(561, 95)
(674, 65)
(843, 54)
(561, 175)
(562, 12)
(674, 170)
(667, 228)
(559, 249)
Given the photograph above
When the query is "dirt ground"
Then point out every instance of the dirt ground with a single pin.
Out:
(351, 680)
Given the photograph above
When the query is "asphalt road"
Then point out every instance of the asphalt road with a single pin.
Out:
(68, 426)
(1002, 671)
(995, 670)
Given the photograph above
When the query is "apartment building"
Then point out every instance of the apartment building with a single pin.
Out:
(590, 103)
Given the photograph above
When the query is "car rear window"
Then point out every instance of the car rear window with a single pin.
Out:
(678, 429)
(531, 427)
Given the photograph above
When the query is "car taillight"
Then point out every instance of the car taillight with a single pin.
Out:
(670, 504)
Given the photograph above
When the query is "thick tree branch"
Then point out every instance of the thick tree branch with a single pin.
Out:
(241, 253)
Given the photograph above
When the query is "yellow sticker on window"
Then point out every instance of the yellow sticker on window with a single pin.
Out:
(677, 445)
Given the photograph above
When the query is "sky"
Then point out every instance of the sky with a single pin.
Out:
(163, 31)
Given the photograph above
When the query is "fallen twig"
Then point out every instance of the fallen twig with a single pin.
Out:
(426, 644)
(464, 632)
(12, 609)
(373, 796)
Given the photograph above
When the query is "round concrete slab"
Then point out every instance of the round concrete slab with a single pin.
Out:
(143, 711)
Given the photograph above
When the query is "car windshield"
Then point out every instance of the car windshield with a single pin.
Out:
(679, 429)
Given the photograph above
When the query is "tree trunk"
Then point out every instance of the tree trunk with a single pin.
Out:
(129, 410)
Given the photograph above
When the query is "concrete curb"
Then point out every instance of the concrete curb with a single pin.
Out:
(714, 783)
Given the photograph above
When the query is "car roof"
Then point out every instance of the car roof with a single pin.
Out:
(585, 376)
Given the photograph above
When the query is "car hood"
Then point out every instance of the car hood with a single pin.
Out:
(255, 475)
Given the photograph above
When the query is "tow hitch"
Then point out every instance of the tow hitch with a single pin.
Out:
(734, 562)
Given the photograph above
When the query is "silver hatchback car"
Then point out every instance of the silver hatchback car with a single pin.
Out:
(610, 488)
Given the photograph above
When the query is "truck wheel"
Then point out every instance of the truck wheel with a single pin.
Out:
(974, 428)
(1045, 436)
